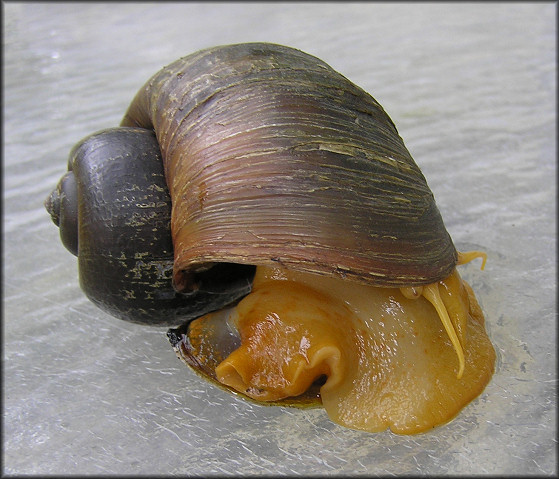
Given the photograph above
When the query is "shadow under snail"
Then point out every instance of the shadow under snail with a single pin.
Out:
(266, 207)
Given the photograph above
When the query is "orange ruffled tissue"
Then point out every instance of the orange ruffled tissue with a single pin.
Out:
(407, 359)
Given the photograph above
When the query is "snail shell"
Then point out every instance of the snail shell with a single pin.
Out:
(272, 157)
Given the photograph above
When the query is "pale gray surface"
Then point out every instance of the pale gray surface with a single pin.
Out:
(471, 88)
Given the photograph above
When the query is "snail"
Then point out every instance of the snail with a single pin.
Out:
(266, 208)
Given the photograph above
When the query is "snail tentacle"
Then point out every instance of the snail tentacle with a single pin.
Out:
(432, 294)
(467, 256)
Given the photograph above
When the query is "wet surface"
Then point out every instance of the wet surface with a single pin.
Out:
(471, 89)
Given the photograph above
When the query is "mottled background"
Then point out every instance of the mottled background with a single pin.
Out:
(471, 88)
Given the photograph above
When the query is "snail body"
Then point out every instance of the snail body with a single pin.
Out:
(256, 188)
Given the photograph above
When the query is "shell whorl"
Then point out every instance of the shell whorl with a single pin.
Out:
(273, 157)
